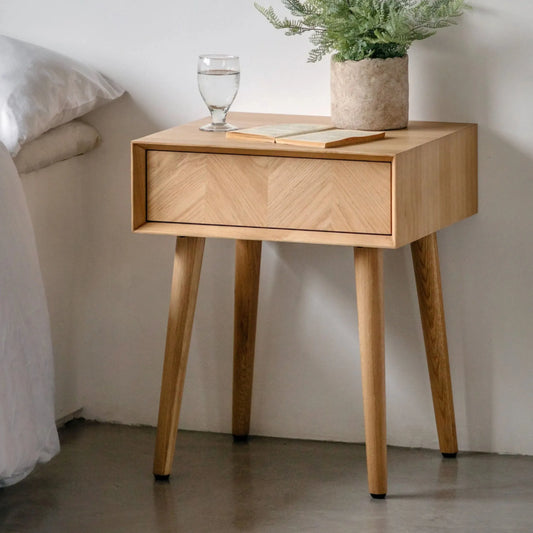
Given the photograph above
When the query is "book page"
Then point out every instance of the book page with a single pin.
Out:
(280, 130)
(332, 136)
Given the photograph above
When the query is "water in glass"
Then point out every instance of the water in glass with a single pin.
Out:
(218, 82)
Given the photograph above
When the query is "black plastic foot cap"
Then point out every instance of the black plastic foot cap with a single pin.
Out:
(378, 496)
(161, 477)
(240, 438)
(449, 455)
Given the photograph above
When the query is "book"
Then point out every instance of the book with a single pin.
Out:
(272, 132)
(312, 135)
(331, 138)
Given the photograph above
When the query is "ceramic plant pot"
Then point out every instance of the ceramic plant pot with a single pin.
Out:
(371, 94)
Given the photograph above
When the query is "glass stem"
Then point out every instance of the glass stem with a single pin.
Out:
(218, 116)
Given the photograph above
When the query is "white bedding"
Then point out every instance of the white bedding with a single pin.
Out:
(41, 89)
(27, 429)
(57, 144)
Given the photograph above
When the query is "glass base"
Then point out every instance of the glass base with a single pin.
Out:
(219, 127)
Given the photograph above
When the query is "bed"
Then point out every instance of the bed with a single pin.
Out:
(42, 96)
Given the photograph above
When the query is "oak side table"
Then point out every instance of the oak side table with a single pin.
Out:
(382, 194)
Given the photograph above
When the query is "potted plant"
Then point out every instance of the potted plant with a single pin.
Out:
(370, 39)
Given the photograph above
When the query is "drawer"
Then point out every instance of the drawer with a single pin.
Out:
(268, 192)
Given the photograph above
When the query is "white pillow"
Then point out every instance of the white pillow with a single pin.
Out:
(66, 141)
(41, 89)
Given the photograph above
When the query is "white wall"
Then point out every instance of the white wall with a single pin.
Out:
(307, 365)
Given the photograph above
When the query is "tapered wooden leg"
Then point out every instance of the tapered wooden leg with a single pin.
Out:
(427, 272)
(185, 278)
(247, 267)
(369, 284)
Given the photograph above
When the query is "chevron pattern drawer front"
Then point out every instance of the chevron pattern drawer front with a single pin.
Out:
(269, 192)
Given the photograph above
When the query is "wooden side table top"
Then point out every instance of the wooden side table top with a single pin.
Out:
(384, 194)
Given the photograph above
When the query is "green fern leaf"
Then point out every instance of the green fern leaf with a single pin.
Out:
(359, 29)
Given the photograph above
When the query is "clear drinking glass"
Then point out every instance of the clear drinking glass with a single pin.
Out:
(218, 82)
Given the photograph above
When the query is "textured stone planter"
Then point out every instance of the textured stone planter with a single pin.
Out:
(371, 94)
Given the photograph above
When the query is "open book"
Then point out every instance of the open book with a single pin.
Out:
(312, 135)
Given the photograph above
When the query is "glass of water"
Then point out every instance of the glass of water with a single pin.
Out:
(218, 81)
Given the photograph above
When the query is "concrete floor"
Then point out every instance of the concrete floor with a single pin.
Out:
(101, 482)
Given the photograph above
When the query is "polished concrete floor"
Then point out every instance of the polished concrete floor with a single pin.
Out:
(101, 482)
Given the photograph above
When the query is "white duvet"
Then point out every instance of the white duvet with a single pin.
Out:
(27, 429)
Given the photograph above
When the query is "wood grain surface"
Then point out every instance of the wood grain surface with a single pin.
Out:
(269, 234)
(247, 268)
(138, 186)
(269, 192)
(185, 279)
(370, 313)
(381, 194)
(434, 185)
(428, 283)
(188, 138)
(202, 184)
